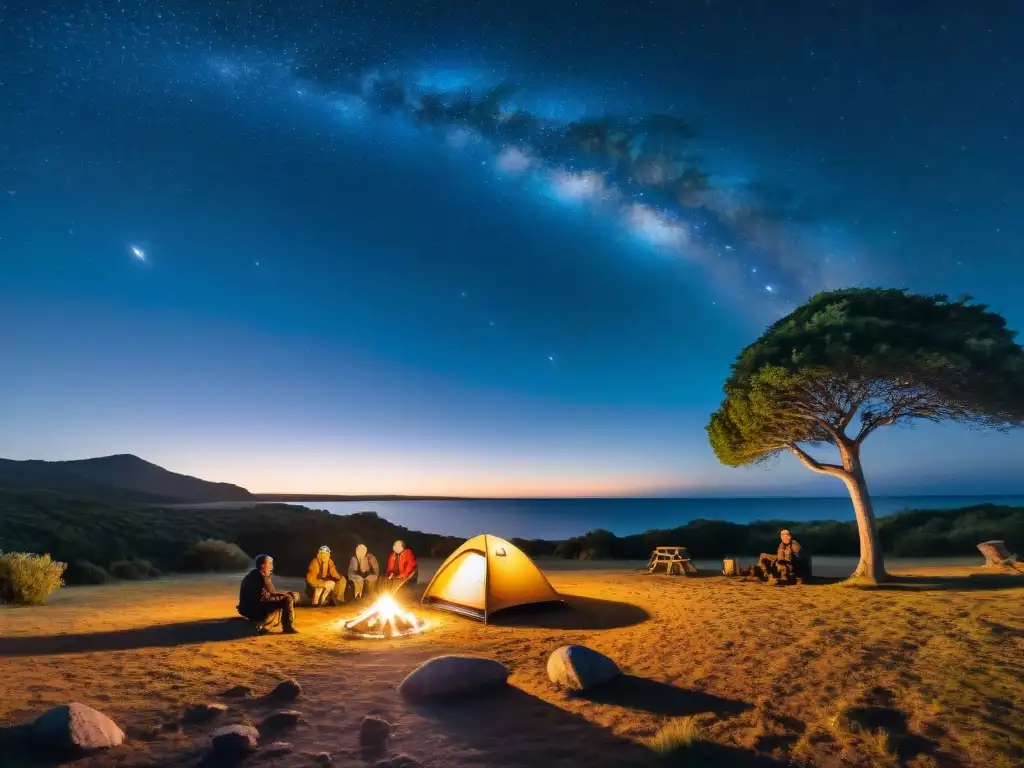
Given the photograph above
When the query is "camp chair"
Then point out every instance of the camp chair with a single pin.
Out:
(996, 555)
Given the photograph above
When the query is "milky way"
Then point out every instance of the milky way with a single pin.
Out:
(644, 170)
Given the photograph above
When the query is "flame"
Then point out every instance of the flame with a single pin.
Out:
(383, 613)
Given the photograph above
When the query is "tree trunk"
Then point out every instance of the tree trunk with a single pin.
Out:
(871, 567)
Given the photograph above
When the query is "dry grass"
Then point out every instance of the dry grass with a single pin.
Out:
(928, 671)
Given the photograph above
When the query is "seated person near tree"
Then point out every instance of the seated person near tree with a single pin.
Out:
(791, 560)
(323, 582)
(259, 602)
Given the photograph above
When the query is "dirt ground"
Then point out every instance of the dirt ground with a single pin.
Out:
(925, 671)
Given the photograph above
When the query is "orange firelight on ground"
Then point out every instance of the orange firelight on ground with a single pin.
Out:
(385, 618)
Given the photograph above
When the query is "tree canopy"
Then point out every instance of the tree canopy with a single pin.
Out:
(852, 360)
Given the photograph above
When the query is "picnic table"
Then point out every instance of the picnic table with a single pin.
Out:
(676, 561)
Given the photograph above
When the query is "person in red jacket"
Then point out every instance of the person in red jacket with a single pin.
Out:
(402, 568)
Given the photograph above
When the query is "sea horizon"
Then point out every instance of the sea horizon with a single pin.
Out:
(562, 518)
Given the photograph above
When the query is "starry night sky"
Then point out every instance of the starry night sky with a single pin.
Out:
(505, 247)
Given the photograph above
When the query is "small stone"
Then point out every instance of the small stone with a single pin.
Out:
(322, 758)
(202, 713)
(76, 728)
(276, 749)
(374, 732)
(448, 677)
(578, 668)
(286, 690)
(238, 692)
(234, 742)
(278, 721)
(397, 761)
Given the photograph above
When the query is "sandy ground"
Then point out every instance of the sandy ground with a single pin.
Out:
(927, 671)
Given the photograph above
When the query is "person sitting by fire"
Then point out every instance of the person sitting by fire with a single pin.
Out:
(363, 572)
(324, 585)
(790, 561)
(402, 567)
(260, 603)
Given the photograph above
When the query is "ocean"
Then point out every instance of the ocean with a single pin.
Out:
(563, 518)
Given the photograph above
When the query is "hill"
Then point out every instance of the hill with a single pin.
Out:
(122, 477)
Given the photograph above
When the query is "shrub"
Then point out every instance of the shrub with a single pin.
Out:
(133, 570)
(215, 555)
(27, 579)
(82, 572)
(677, 736)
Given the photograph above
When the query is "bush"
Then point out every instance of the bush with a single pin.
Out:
(82, 572)
(215, 555)
(27, 579)
(133, 570)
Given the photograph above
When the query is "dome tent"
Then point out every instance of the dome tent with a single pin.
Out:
(485, 575)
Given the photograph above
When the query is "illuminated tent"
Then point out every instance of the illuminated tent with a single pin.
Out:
(485, 575)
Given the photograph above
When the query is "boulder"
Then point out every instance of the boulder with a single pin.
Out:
(76, 728)
(578, 668)
(322, 758)
(278, 721)
(202, 713)
(445, 677)
(286, 690)
(374, 732)
(233, 743)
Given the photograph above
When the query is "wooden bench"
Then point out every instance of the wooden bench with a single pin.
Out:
(676, 561)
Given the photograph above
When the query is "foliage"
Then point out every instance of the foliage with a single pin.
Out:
(866, 358)
(911, 533)
(82, 573)
(75, 529)
(86, 532)
(215, 555)
(134, 570)
(28, 579)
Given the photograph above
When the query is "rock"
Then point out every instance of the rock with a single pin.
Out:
(578, 668)
(452, 676)
(76, 728)
(202, 713)
(238, 692)
(233, 743)
(278, 721)
(322, 758)
(374, 732)
(286, 690)
(397, 761)
(276, 749)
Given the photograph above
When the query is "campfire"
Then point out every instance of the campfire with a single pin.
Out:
(385, 619)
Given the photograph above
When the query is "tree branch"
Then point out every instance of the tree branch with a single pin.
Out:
(813, 464)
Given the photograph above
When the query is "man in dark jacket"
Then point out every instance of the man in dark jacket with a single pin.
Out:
(259, 602)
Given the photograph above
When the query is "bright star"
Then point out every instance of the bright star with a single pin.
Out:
(551, 358)
(138, 253)
(770, 288)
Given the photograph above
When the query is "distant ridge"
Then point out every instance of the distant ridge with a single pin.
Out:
(122, 477)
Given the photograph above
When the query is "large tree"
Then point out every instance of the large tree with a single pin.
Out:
(850, 361)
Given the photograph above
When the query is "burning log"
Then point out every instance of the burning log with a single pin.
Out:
(385, 619)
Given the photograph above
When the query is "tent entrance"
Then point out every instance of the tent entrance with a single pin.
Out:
(461, 585)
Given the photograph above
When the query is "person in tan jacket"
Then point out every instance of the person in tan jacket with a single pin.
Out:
(324, 584)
